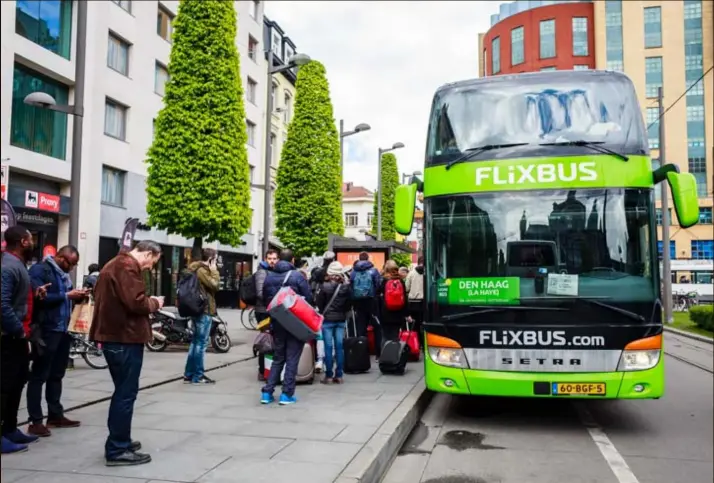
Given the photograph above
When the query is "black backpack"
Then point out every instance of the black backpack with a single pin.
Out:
(191, 301)
(249, 290)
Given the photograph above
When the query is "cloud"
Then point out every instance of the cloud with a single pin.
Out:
(384, 62)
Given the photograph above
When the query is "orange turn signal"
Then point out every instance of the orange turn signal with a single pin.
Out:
(648, 343)
(433, 340)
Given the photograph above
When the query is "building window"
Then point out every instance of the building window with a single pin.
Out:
(580, 36)
(496, 55)
(275, 45)
(702, 249)
(658, 215)
(289, 52)
(250, 131)
(118, 54)
(484, 61)
(613, 35)
(672, 250)
(39, 130)
(161, 77)
(47, 23)
(370, 217)
(698, 167)
(653, 127)
(125, 4)
(692, 9)
(517, 51)
(273, 150)
(544, 69)
(273, 92)
(254, 9)
(581, 67)
(653, 27)
(351, 219)
(164, 21)
(695, 113)
(287, 108)
(252, 90)
(113, 186)
(252, 48)
(547, 39)
(115, 120)
(705, 215)
(653, 75)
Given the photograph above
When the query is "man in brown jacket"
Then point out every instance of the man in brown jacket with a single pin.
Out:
(121, 324)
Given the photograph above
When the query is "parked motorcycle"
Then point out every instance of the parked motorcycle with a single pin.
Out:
(168, 327)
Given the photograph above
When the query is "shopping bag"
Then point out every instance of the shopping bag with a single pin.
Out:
(81, 319)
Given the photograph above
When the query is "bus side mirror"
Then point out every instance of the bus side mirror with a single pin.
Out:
(404, 204)
(684, 194)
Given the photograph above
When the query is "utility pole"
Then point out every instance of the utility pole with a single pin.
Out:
(664, 186)
(379, 194)
(268, 161)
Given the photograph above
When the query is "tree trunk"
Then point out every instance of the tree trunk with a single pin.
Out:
(196, 250)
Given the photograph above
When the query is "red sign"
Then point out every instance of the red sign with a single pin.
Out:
(48, 202)
(347, 259)
(49, 251)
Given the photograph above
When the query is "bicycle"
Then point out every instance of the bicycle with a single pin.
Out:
(247, 318)
(682, 302)
(91, 353)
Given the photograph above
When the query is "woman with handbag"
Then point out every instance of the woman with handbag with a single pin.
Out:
(334, 301)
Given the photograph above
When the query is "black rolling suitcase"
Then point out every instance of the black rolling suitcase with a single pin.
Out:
(394, 357)
(357, 358)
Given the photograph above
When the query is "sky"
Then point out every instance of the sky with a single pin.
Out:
(384, 62)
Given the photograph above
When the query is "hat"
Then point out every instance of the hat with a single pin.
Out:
(335, 268)
(329, 255)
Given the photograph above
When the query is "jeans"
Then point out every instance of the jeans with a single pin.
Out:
(365, 314)
(15, 367)
(125, 361)
(287, 352)
(334, 335)
(196, 351)
(48, 369)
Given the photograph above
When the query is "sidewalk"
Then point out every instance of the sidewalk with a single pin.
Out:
(222, 433)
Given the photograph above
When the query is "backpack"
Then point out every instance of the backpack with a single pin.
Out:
(249, 290)
(191, 301)
(394, 296)
(363, 285)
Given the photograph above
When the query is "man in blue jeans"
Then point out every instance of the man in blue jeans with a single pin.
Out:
(286, 348)
(121, 324)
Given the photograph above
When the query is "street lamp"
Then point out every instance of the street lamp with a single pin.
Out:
(379, 185)
(407, 176)
(361, 127)
(294, 61)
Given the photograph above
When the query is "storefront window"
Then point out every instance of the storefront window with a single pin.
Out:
(47, 23)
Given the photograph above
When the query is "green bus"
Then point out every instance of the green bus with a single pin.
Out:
(540, 238)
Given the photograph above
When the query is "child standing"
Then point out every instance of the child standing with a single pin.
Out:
(334, 300)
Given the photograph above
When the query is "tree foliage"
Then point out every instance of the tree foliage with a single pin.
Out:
(198, 184)
(390, 181)
(308, 200)
(402, 259)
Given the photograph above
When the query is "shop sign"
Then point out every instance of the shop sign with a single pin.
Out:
(42, 201)
(347, 259)
(32, 218)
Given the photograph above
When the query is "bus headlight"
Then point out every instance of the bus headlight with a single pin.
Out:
(638, 360)
(448, 357)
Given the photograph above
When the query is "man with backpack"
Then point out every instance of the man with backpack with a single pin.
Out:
(287, 348)
(366, 280)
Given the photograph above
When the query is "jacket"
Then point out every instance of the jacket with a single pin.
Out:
(274, 282)
(392, 317)
(338, 310)
(415, 283)
(363, 265)
(16, 289)
(90, 281)
(121, 306)
(210, 281)
(52, 313)
(260, 275)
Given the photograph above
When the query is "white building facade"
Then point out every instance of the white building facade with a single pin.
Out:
(357, 210)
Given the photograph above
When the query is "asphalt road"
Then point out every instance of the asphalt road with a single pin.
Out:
(494, 440)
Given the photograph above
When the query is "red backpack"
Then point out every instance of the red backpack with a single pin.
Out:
(394, 296)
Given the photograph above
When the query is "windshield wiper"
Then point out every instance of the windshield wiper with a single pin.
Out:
(480, 149)
(594, 145)
(614, 308)
(491, 309)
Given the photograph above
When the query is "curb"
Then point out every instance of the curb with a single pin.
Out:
(373, 460)
(689, 335)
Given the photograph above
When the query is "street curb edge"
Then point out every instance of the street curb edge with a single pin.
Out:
(689, 335)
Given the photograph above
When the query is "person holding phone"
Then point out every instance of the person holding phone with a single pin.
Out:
(209, 280)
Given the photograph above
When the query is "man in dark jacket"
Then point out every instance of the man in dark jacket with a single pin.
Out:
(287, 349)
(365, 298)
(121, 323)
(50, 318)
(261, 308)
(319, 274)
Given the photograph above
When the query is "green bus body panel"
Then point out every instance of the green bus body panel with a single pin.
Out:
(684, 194)
(404, 203)
(597, 171)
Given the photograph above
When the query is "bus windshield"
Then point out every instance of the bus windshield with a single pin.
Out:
(535, 109)
(535, 247)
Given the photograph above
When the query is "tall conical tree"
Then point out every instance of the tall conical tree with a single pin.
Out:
(308, 200)
(198, 184)
(390, 181)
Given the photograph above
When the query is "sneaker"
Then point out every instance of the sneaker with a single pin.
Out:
(39, 430)
(18, 437)
(62, 422)
(338, 380)
(129, 458)
(8, 447)
(326, 380)
(319, 367)
(134, 446)
(266, 398)
(204, 380)
(286, 400)
(186, 380)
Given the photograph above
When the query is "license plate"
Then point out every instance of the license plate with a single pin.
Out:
(578, 388)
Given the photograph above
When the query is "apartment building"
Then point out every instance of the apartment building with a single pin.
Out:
(357, 210)
(668, 44)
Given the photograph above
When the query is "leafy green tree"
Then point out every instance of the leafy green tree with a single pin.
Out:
(390, 181)
(308, 200)
(402, 259)
(198, 184)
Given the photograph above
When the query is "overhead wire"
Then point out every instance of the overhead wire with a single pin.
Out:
(680, 97)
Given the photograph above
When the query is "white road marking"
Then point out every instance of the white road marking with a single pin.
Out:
(614, 459)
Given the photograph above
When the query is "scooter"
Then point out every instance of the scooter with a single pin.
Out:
(169, 328)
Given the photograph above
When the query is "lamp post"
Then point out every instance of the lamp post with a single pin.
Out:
(46, 101)
(294, 61)
(408, 176)
(361, 127)
(380, 152)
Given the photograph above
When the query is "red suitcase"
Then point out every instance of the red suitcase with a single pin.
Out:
(411, 338)
(295, 315)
